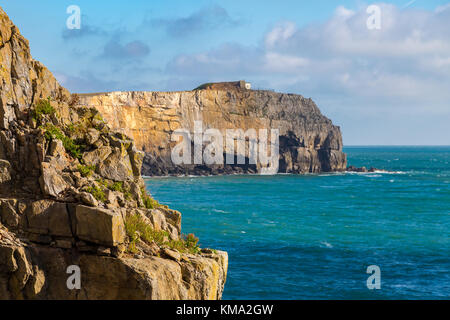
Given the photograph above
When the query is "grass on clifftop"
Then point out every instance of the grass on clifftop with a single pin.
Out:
(137, 229)
(204, 86)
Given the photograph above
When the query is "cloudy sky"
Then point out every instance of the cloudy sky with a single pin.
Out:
(382, 86)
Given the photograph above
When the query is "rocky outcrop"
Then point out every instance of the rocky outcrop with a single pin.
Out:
(71, 194)
(308, 141)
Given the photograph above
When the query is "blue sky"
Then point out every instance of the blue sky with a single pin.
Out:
(387, 86)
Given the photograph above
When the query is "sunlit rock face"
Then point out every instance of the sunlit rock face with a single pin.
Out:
(71, 194)
(308, 141)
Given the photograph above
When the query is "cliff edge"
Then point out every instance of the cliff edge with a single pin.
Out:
(72, 201)
(308, 141)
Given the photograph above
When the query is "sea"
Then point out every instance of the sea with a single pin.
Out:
(380, 235)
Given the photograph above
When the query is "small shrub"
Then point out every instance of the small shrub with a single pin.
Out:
(53, 132)
(148, 201)
(102, 182)
(128, 196)
(191, 240)
(86, 171)
(97, 192)
(116, 186)
(137, 229)
(43, 107)
(187, 244)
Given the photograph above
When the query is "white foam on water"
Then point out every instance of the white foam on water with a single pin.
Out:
(326, 244)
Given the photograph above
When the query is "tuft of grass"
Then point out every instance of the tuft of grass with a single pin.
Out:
(97, 192)
(137, 229)
(128, 196)
(116, 186)
(102, 182)
(187, 244)
(43, 107)
(148, 201)
(113, 186)
(203, 86)
(86, 171)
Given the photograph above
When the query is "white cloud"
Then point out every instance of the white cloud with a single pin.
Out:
(282, 32)
(283, 63)
(410, 50)
(402, 70)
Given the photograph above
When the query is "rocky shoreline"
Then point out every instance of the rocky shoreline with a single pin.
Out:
(363, 169)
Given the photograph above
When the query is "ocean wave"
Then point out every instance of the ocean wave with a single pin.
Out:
(376, 172)
(326, 244)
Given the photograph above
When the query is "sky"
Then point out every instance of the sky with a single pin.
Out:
(382, 86)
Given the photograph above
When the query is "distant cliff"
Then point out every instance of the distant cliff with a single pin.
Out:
(72, 196)
(309, 142)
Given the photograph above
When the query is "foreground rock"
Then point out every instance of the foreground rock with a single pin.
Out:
(71, 193)
(309, 142)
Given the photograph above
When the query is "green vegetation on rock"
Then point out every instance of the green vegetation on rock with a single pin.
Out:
(138, 229)
(204, 86)
(97, 192)
(148, 201)
(43, 107)
(86, 171)
(53, 132)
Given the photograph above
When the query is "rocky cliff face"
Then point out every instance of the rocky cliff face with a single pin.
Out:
(71, 193)
(308, 142)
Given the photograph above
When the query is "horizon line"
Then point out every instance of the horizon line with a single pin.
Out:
(396, 145)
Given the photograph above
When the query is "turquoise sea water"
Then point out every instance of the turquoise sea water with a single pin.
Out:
(313, 236)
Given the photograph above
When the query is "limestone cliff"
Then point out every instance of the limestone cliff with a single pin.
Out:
(71, 193)
(309, 142)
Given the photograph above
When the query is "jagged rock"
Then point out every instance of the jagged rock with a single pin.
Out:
(116, 167)
(51, 182)
(136, 158)
(111, 198)
(355, 169)
(88, 199)
(171, 254)
(5, 171)
(93, 158)
(92, 135)
(56, 148)
(8, 213)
